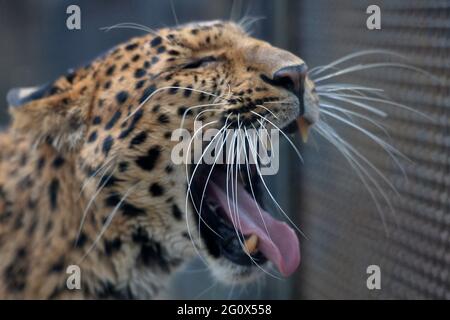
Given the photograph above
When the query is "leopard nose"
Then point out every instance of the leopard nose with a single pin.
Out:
(291, 78)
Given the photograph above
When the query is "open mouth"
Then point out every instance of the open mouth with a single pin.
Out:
(233, 222)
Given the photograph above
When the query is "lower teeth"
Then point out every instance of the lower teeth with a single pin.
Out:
(251, 244)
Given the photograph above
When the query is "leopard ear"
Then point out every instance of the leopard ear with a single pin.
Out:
(56, 113)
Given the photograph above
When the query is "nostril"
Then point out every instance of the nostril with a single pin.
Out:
(291, 78)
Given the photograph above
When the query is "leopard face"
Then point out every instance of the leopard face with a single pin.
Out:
(115, 118)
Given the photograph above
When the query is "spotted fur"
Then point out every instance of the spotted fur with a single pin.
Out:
(84, 137)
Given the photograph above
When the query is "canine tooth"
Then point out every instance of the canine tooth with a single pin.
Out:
(303, 126)
(251, 244)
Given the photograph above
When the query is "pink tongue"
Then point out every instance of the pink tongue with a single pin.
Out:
(277, 241)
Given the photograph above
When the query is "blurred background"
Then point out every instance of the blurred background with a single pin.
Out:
(348, 226)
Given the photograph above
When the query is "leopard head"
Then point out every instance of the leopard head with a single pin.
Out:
(116, 117)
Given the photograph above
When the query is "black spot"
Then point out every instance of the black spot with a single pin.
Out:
(146, 65)
(92, 137)
(156, 190)
(41, 163)
(161, 49)
(112, 246)
(139, 84)
(123, 166)
(97, 120)
(107, 144)
(112, 200)
(109, 291)
(156, 108)
(139, 73)
(156, 42)
(107, 85)
(81, 240)
(152, 255)
(173, 53)
(58, 162)
(140, 236)
(107, 181)
(168, 135)
(16, 273)
(155, 60)
(53, 90)
(53, 190)
(137, 116)
(182, 111)
(113, 120)
(121, 97)
(23, 160)
(169, 169)
(31, 204)
(147, 92)
(187, 93)
(131, 47)
(135, 58)
(175, 88)
(110, 70)
(58, 266)
(176, 212)
(131, 211)
(148, 161)
(70, 76)
(164, 119)
(138, 139)
(125, 66)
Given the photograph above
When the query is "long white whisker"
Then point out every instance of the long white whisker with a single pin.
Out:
(167, 88)
(320, 69)
(285, 135)
(359, 170)
(391, 151)
(109, 220)
(91, 201)
(376, 65)
(356, 114)
(355, 103)
(86, 183)
(255, 152)
(396, 104)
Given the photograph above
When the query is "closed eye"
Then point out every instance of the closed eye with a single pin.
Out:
(200, 62)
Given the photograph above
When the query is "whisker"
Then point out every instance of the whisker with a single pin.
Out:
(359, 170)
(320, 69)
(395, 104)
(361, 67)
(355, 103)
(369, 163)
(88, 180)
(356, 114)
(281, 131)
(167, 88)
(91, 201)
(235, 213)
(109, 220)
(254, 151)
(174, 13)
(383, 144)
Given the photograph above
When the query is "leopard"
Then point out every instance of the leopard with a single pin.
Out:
(87, 177)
